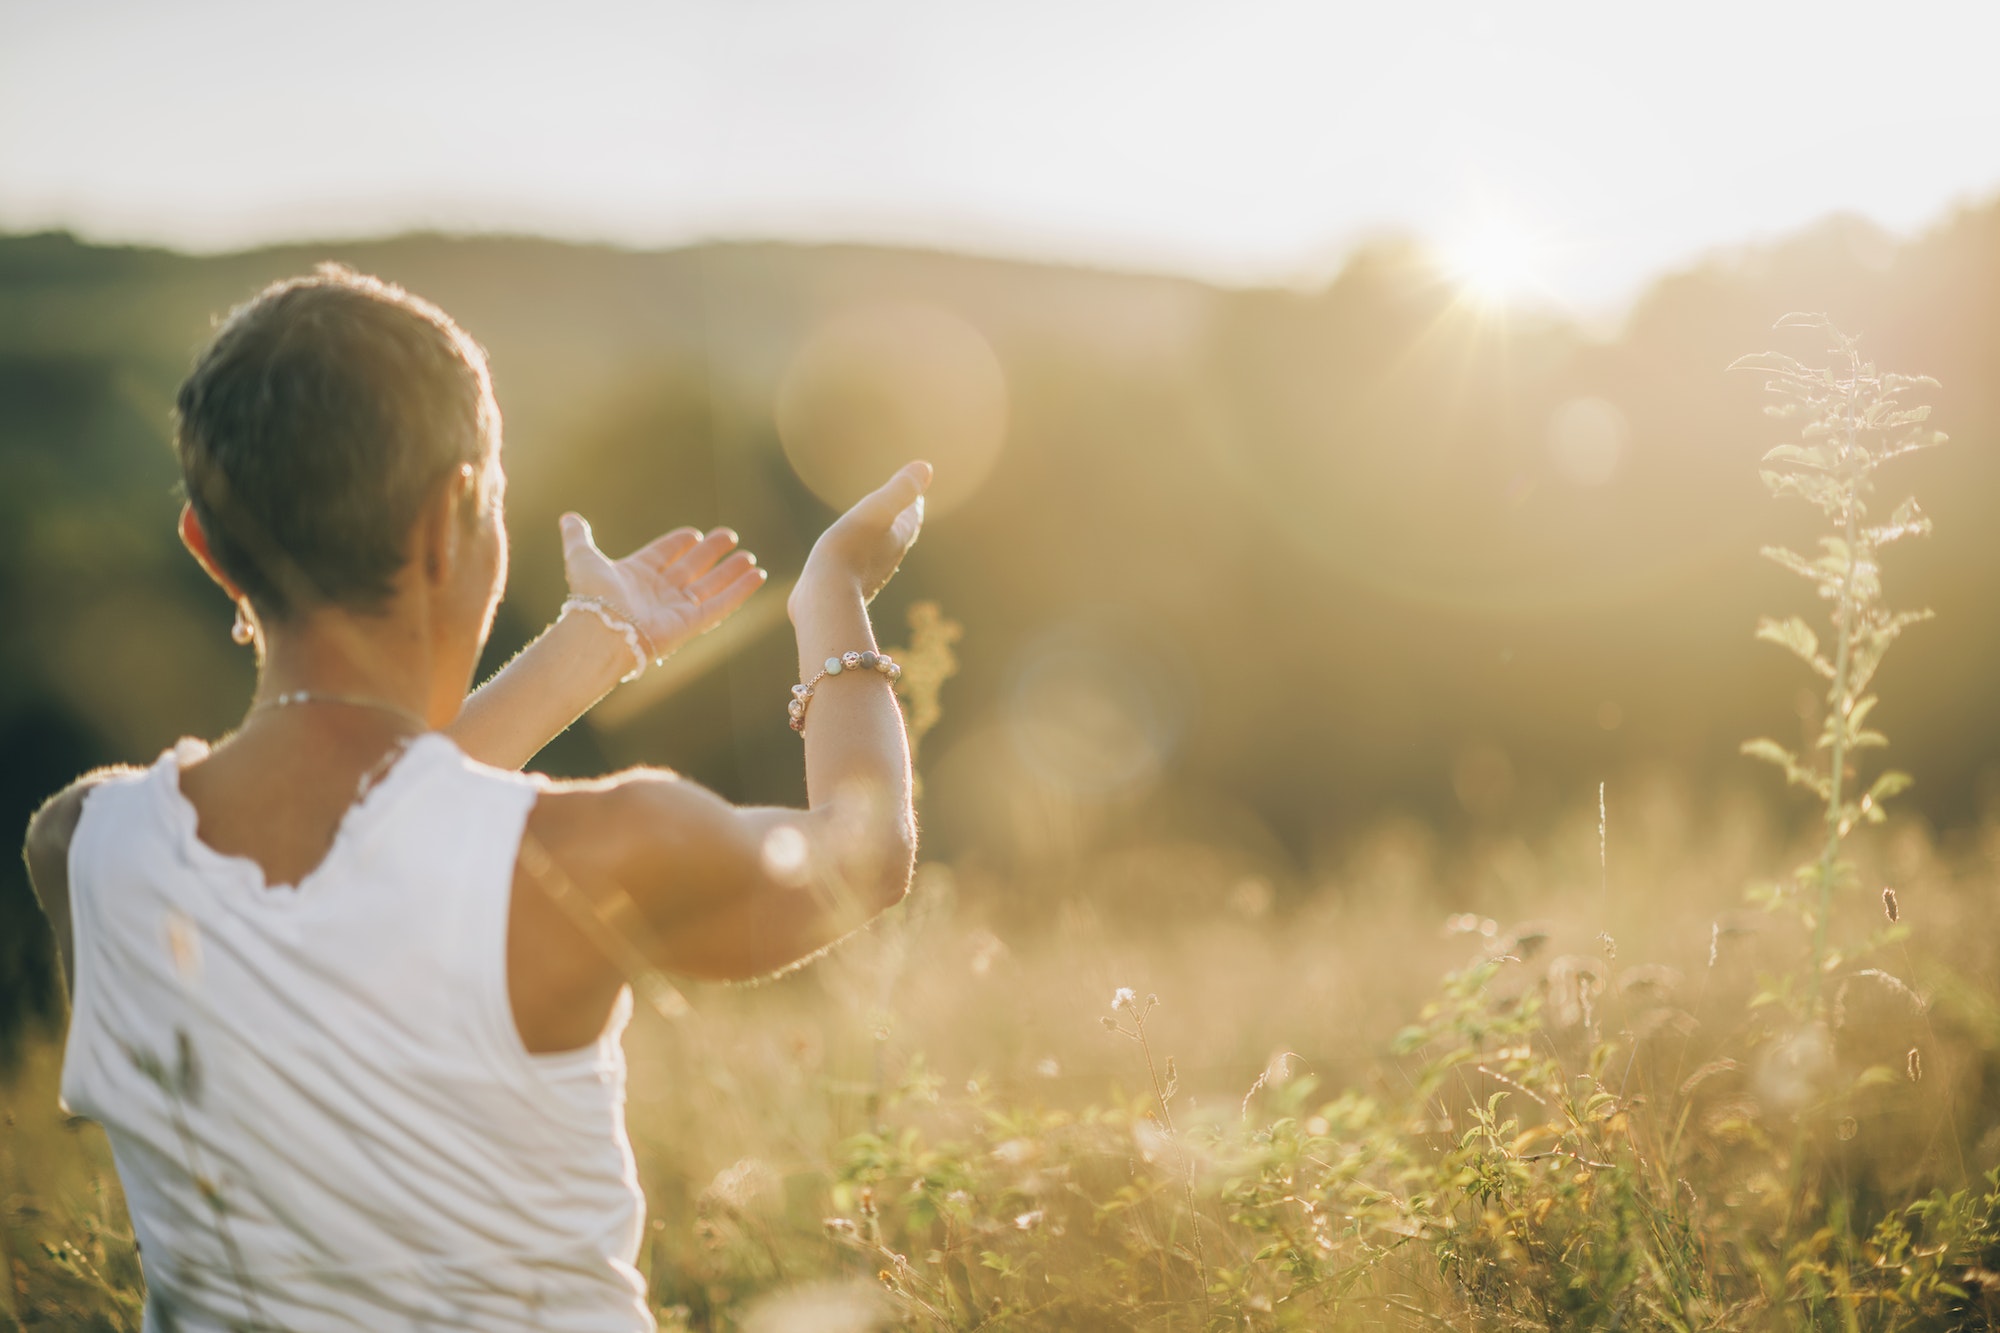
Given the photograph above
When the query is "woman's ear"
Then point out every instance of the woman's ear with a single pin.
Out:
(442, 528)
(196, 542)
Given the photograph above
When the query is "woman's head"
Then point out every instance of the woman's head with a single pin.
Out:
(327, 417)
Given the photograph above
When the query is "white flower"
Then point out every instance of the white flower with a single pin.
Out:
(1124, 998)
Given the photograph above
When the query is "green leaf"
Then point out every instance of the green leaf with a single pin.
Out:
(1891, 783)
(1793, 561)
(1797, 637)
(1770, 752)
(1800, 456)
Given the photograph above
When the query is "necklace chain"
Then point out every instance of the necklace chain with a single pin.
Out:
(292, 698)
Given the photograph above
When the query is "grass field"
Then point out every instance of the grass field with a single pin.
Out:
(943, 1089)
(1668, 1062)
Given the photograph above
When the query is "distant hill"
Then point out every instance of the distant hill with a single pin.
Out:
(1315, 556)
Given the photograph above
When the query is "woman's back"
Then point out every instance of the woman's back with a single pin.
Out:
(319, 1102)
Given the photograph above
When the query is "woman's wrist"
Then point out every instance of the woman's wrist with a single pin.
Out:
(829, 619)
(820, 587)
(591, 651)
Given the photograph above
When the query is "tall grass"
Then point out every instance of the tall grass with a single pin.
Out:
(1661, 1103)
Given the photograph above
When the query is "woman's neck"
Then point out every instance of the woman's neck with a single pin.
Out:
(384, 661)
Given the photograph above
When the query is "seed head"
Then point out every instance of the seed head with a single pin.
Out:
(1122, 997)
(1610, 945)
(1890, 908)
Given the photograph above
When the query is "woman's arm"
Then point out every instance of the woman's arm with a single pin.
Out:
(673, 588)
(46, 852)
(731, 892)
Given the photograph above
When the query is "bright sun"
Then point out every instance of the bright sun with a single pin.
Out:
(1497, 261)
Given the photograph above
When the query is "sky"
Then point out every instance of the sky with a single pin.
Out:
(1564, 152)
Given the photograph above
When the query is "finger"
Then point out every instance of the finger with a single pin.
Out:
(701, 557)
(667, 547)
(721, 576)
(724, 603)
(908, 524)
(897, 494)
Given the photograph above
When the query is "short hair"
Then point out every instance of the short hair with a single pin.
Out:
(316, 425)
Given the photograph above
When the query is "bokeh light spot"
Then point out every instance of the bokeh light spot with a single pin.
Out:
(878, 385)
(1587, 440)
(784, 854)
(1092, 714)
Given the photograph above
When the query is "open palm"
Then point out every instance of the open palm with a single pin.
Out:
(674, 587)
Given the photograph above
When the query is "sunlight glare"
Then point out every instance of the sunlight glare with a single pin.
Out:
(1497, 261)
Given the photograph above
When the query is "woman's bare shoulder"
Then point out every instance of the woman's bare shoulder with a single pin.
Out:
(47, 849)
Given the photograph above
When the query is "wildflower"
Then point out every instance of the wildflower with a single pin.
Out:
(1016, 1152)
(1028, 1221)
(1890, 908)
(1610, 945)
(1122, 997)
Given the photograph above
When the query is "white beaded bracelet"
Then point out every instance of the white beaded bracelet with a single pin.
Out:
(618, 623)
(802, 695)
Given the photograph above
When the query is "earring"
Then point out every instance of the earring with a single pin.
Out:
(242, 631)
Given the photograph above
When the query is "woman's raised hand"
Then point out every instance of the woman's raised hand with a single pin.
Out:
(866, 544)
(674, 587)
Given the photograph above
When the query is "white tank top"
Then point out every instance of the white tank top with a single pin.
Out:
(319, 1105)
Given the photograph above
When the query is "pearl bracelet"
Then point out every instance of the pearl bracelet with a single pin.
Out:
(849, 661)
(618, 623)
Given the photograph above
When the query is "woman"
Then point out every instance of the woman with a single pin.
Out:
(348, 991)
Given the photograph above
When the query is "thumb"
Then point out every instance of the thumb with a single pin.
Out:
(576, 538)
(906, 488)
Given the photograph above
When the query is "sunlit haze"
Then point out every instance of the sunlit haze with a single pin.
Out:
(1249, 141)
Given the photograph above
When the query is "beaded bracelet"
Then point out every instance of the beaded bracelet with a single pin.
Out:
(618, 623)
(849, 661)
